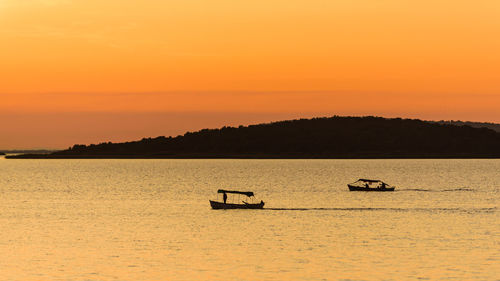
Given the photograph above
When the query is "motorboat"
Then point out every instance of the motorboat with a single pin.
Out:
(370, 185)
(235, 203)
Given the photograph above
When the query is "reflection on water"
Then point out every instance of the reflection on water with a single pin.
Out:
(151, 220)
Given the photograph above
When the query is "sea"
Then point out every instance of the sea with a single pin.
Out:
(151, 220)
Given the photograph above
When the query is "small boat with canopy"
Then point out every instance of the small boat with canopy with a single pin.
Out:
(370, 185)
(235, 199)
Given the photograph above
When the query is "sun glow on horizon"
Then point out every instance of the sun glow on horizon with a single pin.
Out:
(427, 59)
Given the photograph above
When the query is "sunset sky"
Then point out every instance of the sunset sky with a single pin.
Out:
(89, 71)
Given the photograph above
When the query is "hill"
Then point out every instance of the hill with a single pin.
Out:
(334, 137)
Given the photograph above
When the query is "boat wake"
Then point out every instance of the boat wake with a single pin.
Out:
(437, 190)
(464, 210)
(459, 189)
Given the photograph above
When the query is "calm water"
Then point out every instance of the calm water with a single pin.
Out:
(151, 220)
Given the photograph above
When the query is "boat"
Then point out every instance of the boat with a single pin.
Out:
(244, 205)
(370, 185)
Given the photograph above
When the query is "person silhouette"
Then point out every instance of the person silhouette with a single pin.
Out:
(224, 197)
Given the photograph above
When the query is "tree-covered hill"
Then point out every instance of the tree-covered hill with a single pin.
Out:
(335, 137)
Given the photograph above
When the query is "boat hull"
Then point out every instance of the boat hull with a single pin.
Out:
(359, 188)
(221, 206)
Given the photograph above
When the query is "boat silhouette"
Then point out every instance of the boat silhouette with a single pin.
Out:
(243, 205)
(370, 185)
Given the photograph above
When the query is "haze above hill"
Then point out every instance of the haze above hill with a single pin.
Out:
(492, 126)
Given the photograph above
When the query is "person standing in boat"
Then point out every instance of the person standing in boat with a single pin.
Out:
(224, 197)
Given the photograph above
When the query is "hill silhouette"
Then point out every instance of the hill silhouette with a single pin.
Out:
(333, 137)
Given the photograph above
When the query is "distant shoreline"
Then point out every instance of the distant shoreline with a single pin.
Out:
(194, 157)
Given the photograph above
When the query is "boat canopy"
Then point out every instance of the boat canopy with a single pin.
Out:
(370, 181)
(247, 193)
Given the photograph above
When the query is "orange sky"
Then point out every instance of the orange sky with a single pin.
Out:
(68, 64)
